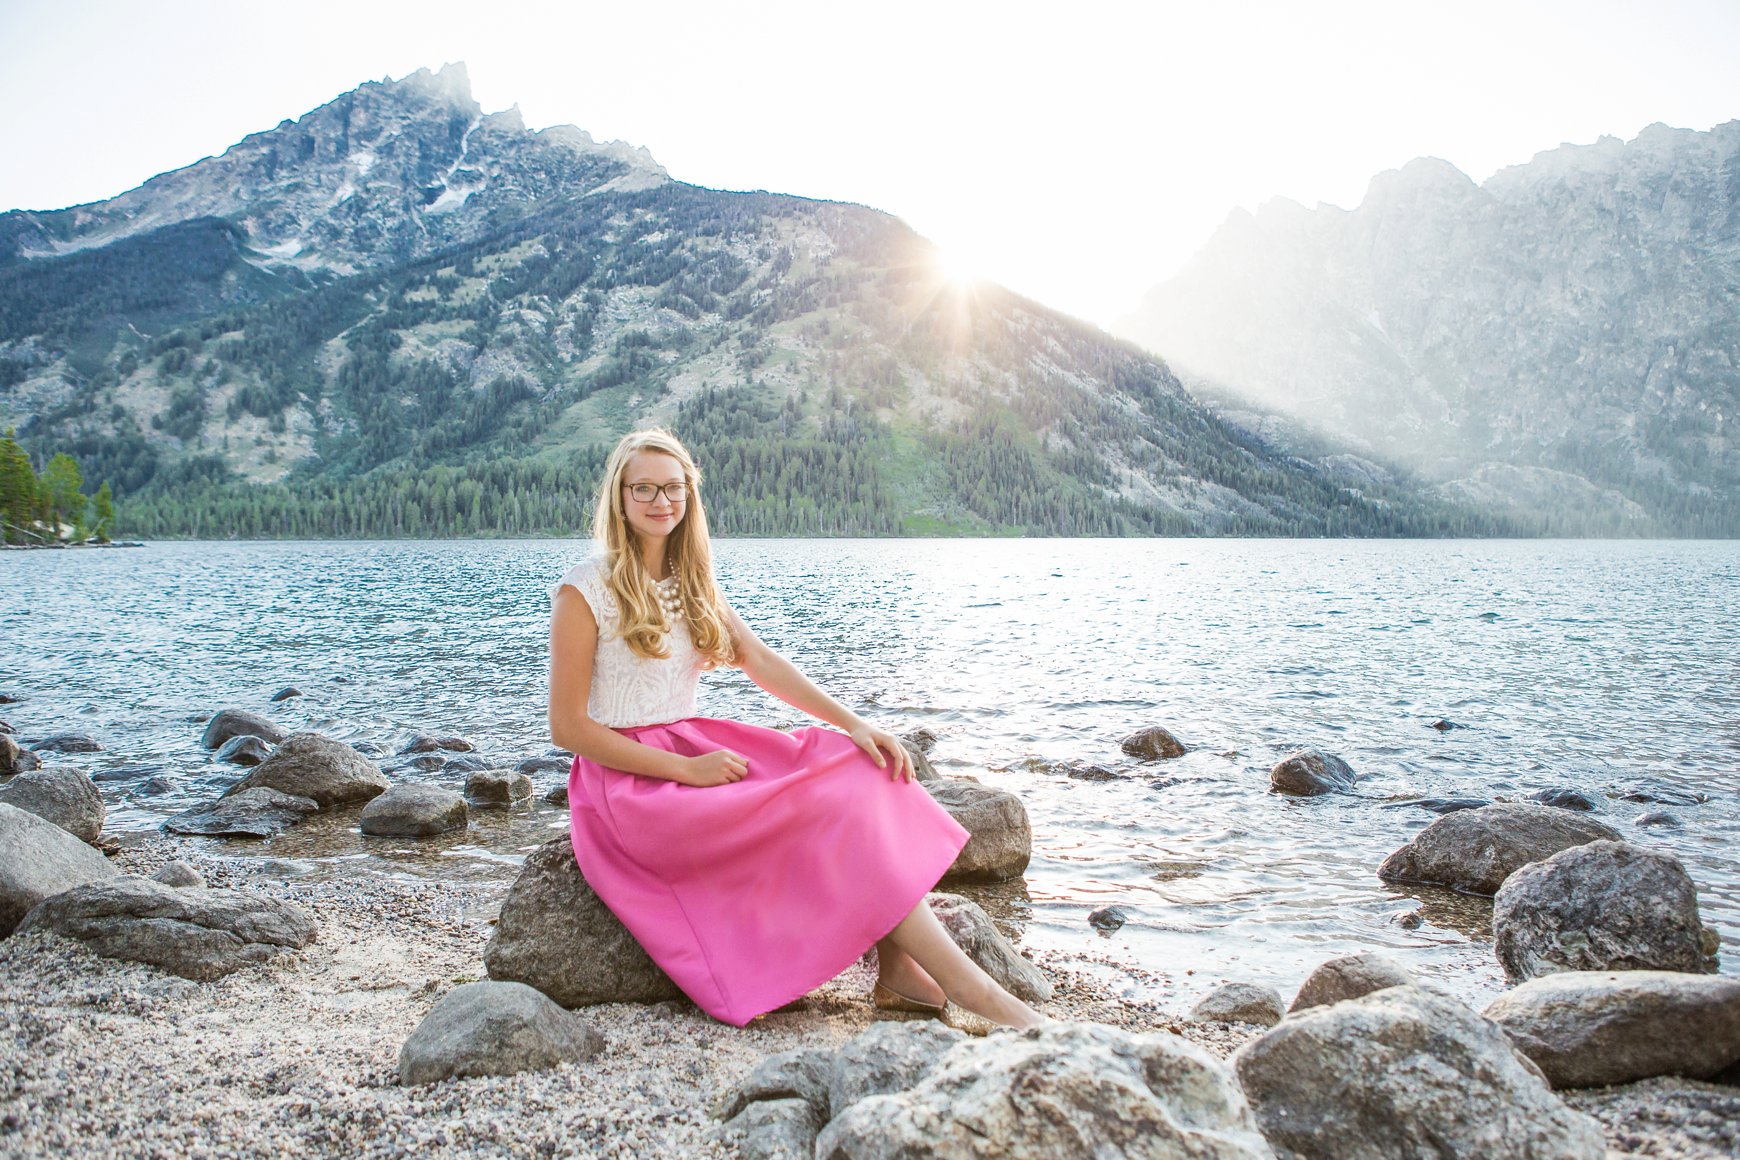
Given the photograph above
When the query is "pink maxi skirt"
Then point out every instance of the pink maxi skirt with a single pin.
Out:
(754, 893)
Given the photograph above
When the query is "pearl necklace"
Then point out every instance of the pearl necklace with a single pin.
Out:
(670, 599)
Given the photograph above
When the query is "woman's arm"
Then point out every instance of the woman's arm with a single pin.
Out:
(573, 644)
(778, 676)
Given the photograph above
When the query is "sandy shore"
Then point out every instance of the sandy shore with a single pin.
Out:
(104, 1058)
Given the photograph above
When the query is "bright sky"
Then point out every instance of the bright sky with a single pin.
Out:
(1076, 153)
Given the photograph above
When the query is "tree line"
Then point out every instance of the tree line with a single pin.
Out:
(49, 507)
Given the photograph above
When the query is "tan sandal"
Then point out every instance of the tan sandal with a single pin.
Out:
(888, 999)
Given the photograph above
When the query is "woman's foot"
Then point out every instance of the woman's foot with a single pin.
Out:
(903, 985)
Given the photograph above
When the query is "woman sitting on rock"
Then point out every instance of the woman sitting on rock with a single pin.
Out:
(753, 865)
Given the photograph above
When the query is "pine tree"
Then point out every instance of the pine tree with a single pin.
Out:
(18, 489)
(103, 508)
(60, 484)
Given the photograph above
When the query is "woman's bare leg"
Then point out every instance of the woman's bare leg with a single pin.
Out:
(923, 938)
(897, 971)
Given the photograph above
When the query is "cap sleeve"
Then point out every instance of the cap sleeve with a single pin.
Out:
(587, 578)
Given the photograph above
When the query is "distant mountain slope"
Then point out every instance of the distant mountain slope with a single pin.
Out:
(398, 317)
(1565, 337)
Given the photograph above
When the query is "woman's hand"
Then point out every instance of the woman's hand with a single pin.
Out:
(720, 767)
(877, 742)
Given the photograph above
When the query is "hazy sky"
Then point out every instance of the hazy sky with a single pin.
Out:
(1077, 158)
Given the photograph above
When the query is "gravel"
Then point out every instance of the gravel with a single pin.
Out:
(105, 1058)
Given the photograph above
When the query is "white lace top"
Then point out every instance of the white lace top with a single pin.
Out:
(627, 688)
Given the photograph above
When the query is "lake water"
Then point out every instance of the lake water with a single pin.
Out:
(1601, 666)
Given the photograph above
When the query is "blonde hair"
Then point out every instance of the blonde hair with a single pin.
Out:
(642, 622)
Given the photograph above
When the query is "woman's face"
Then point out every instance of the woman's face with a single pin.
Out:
(656, 517)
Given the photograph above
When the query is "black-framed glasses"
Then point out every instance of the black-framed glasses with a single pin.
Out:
(647, 492)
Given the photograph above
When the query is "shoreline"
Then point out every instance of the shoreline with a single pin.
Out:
(301, 1055)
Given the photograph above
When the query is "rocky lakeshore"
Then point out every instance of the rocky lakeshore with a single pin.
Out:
(161, 995)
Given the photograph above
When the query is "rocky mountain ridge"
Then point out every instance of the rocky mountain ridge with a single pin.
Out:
(1564, 337)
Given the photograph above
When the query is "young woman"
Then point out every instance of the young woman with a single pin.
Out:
(753, 865)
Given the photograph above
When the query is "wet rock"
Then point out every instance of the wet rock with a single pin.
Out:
(1658, 818)
(123, 773)
(975, 933)
(9, 699)
(557, 935)
(60, 795)
(425, 743)
(67, 743)
(414, 811)
(369, 748)
(468, 763)
(38, 859)
(887, 1057)
(558, 796)
(923, 739)
(803, 1074)
(254, 813)
(1444, 725)
(922, 769)
(1083, 771)
(1240, 1003)
(1604, 906)
(1663, 794)
(14, 758)
(1001, 842)
(1439, 806)
(1349, 977)
(286, 693)
(1566, 798)
(497, 788)
(1403, 1072)
(309, 765)
(197, 934)
(1065, 1091)
(1108, 918)
(1476, 850)
(6, 727)
(1310, 773)
(544, 765)
(179, 874)
(244, 749)
(1155, 743)
(155, 787)
(422, 763)
(1594, 1028)
(492, 1028)
(230, 723)
(775, 1130)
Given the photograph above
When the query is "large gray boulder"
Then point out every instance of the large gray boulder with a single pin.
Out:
(1001, 842)
(887, 1057)
(414, 811)
(14, 758)
(556, 934)
(66, 797)
(1594, 1028)
(803, 1074)
(194, 933)
(1349, 977)
(309, 765)
(1240, 1003)
(1604, 906)
(38, 859)
(1059, 1092)
(1310, 773)
(974, 932)
(1476, 850)
(491, 1028)
(228, 723)
(252, 813)
(1404, 1072)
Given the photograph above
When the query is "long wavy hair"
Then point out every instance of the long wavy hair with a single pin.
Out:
(642, 621)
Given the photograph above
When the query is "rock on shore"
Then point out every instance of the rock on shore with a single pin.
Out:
(251, 813)
(1001, 844)
(975, 933)
(1593, 1028)
(309, 765)
(1600, 906)
(66, 797)
(1476, 850)
(414, 811)
(491, 1028)
(38, 859)
(1349, 977)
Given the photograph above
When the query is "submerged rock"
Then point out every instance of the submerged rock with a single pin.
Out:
(1240, 1003)
(1404, 1072)
(1065, 1091)
(414, 811)
(1310, 773)
(14, 758)
(67, 743)
(38, 859)
(1001, 842)
(425, 743)
(1663, 794)
(253, 813)
(60, 795)
(1566, 798)
(1108, 918)
(1599, 907)
(544, 765)
(1476, 850)
(557, 935)
(1155, 743)
(1349, 977)
(286, 693)
(309, 765)
(1594, 1028)
(197, 934)
(492, 1028)
(244, 749)
(230, 723)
